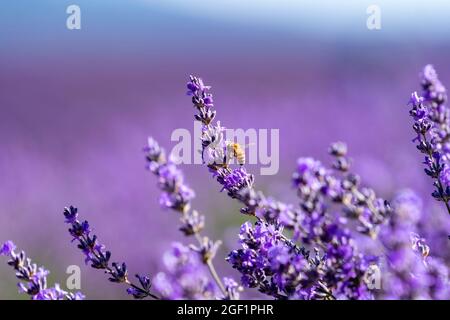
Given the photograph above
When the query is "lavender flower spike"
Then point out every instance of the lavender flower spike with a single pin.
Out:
(236, 181)
(359, 202)
(267, 263)
(99, 258)
(33, 279)
(268, 259)
(432, 126)
(177, 196)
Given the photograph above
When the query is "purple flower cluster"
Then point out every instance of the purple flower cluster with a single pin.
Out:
(33, 279)
(435, 97)
(99, 258)
(186, 276)
(409, 271)
(342, 270)
(237, 181)
(345, 270)
(267, 263)
(215, 150)
(340, 241)
(432, 126)
(177, 196)
(319, 188)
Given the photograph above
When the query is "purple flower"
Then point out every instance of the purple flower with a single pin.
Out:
(344, 269)
(320, 188)
(237, 180)
(76, 296)
(319, 257)
(415, 99)
(79, 229)
(232, 287)
(7, 248)
(432, 126)
(154, 154)
(410, 272)
(176, 194)
(57, 293)
(198, 91)
(195, 85)
(290, 271)
(186, 276)
(33, 279)
(192, 223)
(178, 200)
(445, 176)
(99, 257)
(433, 90)
(71, 215)
(408, 207)
(267, 262)
(340, 272)
(437, 279)
(311, 180)
(315, 186)
(142, 291)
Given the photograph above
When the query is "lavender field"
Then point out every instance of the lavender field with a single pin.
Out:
(358, 207)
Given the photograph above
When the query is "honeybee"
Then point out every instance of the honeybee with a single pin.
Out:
(235, 150)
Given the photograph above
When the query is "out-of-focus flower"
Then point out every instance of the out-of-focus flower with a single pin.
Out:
(410, 272)
(360, 203)
(232, 287)
(186, 276)
(445, 176)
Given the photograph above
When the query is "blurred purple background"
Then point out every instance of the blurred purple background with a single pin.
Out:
(76, 107)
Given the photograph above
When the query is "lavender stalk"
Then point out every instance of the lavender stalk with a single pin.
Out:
(432, 126)
(99, 258)
(343, 269)
(177, 196)
(319, 188)
(33, 279)
(217, 153)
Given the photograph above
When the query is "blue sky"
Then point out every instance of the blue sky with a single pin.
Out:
(35, 26)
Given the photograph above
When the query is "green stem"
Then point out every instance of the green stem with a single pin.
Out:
(212, 269)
